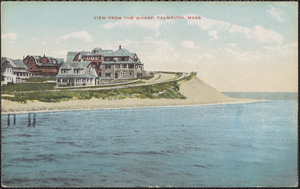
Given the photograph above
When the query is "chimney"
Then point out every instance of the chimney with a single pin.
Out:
(44, 55)
(119, 47)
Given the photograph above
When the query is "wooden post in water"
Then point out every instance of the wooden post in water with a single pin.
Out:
(33, 124)
(14, 119)
(29, 120)
(8, 119)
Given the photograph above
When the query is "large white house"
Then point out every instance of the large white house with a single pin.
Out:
(13, 71)
(77, 74)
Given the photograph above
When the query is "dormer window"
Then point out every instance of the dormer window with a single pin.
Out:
(97, 58)
(88, 58)
(92, 58)
(76, 71)
(64, 71)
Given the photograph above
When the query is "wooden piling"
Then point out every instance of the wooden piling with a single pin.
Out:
(14, 119)
(8, 119)
(29, 122)
(33, 124)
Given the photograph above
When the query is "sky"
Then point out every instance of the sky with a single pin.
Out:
(234, 46)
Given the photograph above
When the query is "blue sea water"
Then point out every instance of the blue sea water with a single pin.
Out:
(203, 146)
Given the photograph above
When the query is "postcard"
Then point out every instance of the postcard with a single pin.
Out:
(149, 94)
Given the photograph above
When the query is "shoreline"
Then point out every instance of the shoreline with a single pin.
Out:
(196, 91)
(239, 101)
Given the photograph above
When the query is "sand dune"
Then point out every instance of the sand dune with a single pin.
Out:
(196, 91)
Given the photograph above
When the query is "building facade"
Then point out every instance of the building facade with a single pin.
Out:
(43, 66)
(122, 64)
(108, 64)
(77, 74)
(96, 56)
(13, 71)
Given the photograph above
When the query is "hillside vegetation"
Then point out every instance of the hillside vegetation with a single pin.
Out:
(167, 90)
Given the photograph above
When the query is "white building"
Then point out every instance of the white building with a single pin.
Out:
(77, 74)
(13, 71)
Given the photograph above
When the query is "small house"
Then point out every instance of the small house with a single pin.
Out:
(13, 71)
(77, 74)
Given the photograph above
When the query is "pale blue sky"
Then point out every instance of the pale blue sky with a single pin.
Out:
(234, 47)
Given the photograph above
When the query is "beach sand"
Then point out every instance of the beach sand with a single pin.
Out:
(196, 91)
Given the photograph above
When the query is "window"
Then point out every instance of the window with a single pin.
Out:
(117, 66)
(8, 70)
(123, 58)
(124, 65)
(84, 80)
(107, 74)
(76, 71)
(8, 78)
(97, 58)
(130, 73)
(92, 58)
(88, 58)
(107, 66)
(130, 66)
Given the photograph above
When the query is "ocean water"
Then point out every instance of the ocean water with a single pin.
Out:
(237, 145)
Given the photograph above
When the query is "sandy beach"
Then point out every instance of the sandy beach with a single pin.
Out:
(196, 91)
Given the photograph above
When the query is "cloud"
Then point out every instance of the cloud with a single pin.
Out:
(277, 14)
(9, 36)
(213, 33)
(79, 35)
(264, 35)
(257, 33)
(241, 29)
(232, 44)
(148, 24)
(60, 53)
(241, 56)
(189, 44)
(290, 49)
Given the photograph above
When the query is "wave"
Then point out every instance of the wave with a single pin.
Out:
(41, 157)
(69, 143)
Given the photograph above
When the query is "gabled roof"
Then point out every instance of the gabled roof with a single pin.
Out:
(3, 60)
(102, 52)
(18, 63)
(120, 53)
(76, 65)
(14, 64)
(71, 55)
(55, 60)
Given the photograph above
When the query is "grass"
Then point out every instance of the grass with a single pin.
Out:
(168, 90)
(27, 87)
(103, 86)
